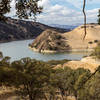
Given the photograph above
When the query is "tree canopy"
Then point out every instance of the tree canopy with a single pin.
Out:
(4, 8)
(24, 8)
(99, 16)
(28, 8)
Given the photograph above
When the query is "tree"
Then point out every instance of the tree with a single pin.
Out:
(1, 55)
(91, 89)
(6, 72)
(32, 78)
(4, 8)
(28, 8)
(24, 8)
(61, 82)
(99, 17)
(96, 51)
(4, 61)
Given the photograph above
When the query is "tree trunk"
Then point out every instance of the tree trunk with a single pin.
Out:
(61, 95)
(30, 97)
(75, 97)
(45, 97)
(84, 4)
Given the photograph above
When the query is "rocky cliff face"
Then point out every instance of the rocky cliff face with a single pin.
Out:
(15, 29)
(50, 41)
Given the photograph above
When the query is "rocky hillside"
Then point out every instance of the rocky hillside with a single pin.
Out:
(15, 29)
(69, 41)
(50, 41)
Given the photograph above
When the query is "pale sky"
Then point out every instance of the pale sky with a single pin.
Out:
(65, 12)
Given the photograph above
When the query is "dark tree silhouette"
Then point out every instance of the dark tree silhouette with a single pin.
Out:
(99, 17)
(4, 8)
(24, 9)
(28, 8)
(84, 4)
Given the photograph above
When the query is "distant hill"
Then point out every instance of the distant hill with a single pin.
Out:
(49, 41)
(71, 27)
(15, 29)
(69, 41)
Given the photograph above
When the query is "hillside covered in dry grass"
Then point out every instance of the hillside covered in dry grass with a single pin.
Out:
(50, 40)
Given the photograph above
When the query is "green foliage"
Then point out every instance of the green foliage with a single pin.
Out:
(32, 78)
(1, 55)
(81, 80)
(99, 17)
(37, 80)
(96, 41)
(91, 90)
(61, 80)
(56, 62)
(28, 8)
(7, 76)
(24, 9)
(4, 8)
(96, 51)
(90, 42)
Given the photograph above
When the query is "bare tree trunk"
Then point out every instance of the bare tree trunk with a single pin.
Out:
(84, 4)
(61, 94)
(45, 97)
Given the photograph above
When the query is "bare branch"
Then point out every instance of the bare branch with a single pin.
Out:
(84, 4)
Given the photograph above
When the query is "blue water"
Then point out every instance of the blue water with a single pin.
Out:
(19, 49)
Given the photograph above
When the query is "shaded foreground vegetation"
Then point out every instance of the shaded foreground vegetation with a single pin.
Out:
(37, 80)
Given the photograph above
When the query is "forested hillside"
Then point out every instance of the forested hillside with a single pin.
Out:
(14, 29)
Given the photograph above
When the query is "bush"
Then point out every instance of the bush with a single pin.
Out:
(96, 51)
(59, 43)
(56, 62)
(58, 37)
(50, 47)
(90, 42)
(95, 41)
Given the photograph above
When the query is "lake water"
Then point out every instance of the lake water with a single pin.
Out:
(19, 49)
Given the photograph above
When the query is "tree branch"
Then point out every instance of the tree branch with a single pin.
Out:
(84, 4)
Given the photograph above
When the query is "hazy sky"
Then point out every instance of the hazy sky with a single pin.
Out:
(66, 11)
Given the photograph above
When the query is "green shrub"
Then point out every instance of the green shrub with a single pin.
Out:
(96, 51)
(56, 62)
(95, 41)
(58, 37)
(90, 42)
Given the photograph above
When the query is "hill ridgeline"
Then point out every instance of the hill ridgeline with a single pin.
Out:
(52, 41)
(15, 29)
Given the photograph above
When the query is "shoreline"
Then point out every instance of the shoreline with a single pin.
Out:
(16, 40)
(62, 51)
(51, 51)
(42, 51)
